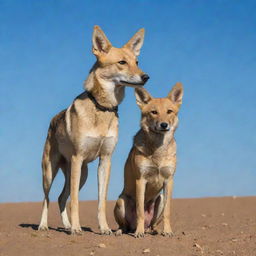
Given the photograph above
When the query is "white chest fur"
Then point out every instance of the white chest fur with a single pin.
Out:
(92, 147)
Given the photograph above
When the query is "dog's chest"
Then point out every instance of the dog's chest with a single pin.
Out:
(154, 172)
(91, 147)
(157, 172)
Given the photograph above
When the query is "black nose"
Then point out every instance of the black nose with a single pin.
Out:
(145, 78)
(164, 125)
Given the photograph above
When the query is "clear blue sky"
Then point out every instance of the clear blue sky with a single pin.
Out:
(210, 46)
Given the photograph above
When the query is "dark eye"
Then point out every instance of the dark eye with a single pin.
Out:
(137, 63)
(122, 62)
(169, 111)
(154, 112)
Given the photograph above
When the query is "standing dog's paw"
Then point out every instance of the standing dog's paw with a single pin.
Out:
(106, 231)
(68, 229)
(67, 226)
(76, 231)
(167, 234)
(43, 228)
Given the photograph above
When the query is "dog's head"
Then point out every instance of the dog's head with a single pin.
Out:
(119, 65)
(159, 115)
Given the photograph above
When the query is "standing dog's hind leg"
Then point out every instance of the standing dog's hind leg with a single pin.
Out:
(62, 200)
(50, 166)
(84, 175)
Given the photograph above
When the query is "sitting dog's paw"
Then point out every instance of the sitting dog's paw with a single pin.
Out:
(167, 234)
(139, 234)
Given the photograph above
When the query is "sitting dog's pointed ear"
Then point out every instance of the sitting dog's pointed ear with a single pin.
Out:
(142, 97)
(176, 94)
(100, 43)
(136, 42)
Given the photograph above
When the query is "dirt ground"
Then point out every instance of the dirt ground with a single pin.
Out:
(207, 226)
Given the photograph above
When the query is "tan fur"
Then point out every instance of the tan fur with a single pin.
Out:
(82, 132)
(151, 165)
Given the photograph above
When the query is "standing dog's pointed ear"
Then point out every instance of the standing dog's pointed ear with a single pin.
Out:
(176, 94)
(136, 42)
(100, 43)
(142, 97)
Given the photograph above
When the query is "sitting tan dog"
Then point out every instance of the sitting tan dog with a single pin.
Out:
(150, 166)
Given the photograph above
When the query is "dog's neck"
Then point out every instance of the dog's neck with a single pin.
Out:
(150, 143)
(106, 93)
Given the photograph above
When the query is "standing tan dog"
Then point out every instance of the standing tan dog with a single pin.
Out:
(150, 166)
(89, 128)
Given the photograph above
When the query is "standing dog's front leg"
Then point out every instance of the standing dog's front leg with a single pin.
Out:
(167, 231)
(140, 201)
(76, 164)
(103, 180)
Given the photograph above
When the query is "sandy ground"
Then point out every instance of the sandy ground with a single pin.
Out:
(208, 226)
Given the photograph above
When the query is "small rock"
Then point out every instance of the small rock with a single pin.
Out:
(219, 251)
(101, 245)
(198, 246)
(146, 250)
(224, 224)
(234, 240)
(203, 215)
(183, 233)
(92, 253)
(234, 197)
(222, 214)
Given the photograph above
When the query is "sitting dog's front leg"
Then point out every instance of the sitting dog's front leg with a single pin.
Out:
(140, 201)
(168, 185)
(103, 180)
